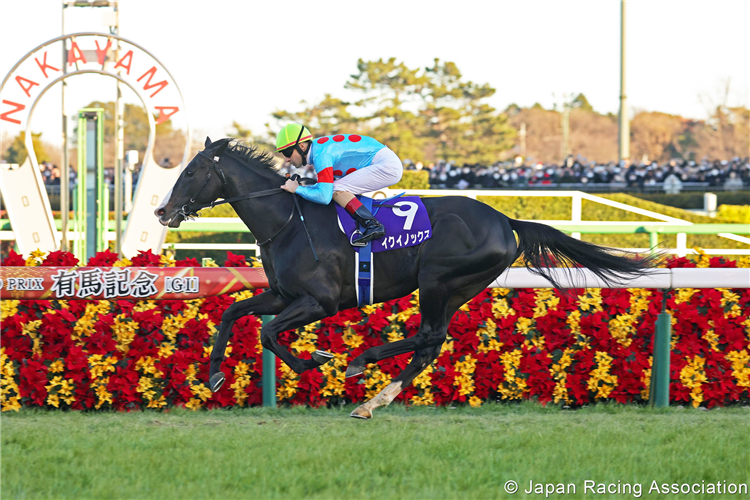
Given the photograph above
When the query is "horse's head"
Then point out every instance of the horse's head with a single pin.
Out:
(201, 182)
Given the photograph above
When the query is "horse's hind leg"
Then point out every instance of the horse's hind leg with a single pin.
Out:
(436, 316)
(421, 360)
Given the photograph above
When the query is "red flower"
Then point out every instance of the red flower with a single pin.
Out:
(188, 262)
(103, 259)
(60, 258)
(13, 259)
(146, 259)
(235, 260)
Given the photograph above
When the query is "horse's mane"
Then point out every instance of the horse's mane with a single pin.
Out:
(250, 153)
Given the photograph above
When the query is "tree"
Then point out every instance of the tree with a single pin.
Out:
(582, 103)
(423, 114)
(660, 136)
(16, 152)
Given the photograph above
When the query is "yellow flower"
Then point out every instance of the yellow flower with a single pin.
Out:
(122, 263)
(287, 386)
(167, 260)
(475, 402)
(36, 258)
(513, 387)
(574, 320)
(124, 329)
(369, 309)
(194, 403)
(464, 379)
(11, 404)
(601, 381)
(591, 300)
(242, 295)
(395, 335)
(57, 366)
(8, 308)
(30, 330)
(545, 299)
(523, 325)
(559, 373)
(501, 310)
(692, 376)
(351, 339)
(488, 337)
(740, 366)
(103, 396)
(334, 375)
(166, 350)
(375, 381)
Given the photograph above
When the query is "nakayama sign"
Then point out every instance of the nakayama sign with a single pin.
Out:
(107, 55)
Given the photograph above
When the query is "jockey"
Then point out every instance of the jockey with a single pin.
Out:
(346, 165)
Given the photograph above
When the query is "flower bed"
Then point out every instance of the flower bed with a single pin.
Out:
(505, 345)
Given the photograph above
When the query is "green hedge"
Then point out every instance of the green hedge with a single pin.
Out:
(694, 200)
(414, 179)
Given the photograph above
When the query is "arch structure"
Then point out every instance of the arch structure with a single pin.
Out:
(23, 87)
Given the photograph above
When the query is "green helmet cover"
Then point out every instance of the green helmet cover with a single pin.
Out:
(290, 135)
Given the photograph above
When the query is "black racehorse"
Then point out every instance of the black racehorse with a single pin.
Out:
(311, 275)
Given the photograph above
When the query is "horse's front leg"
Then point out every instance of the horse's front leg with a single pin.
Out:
(268, 302)
(302, 311)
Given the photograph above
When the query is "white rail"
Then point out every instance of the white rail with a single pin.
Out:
(520, 277)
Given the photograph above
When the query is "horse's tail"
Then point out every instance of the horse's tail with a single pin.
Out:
(543, 246)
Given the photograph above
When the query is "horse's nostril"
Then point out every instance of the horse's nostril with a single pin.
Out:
(159, 211)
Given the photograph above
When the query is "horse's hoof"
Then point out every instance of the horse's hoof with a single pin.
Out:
(354, 370)
(216, 381)
(361, 413)
(322, 357)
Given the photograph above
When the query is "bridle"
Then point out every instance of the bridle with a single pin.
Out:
(190, 214)
(185, 211)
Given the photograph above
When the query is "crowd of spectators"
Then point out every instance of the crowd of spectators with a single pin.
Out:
(51, 174)
(671, 176)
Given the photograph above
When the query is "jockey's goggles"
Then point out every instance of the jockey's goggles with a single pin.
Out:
(287, 152)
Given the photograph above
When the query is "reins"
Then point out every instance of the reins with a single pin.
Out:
(187, 212)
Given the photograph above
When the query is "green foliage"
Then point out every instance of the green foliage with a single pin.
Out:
(16, 153)
(422, 114)
(413, 179)
(694, 200)
(582, 103)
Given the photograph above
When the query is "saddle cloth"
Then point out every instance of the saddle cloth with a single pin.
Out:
(405, 220)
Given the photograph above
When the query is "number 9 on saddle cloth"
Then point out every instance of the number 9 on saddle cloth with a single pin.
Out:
(406, 224)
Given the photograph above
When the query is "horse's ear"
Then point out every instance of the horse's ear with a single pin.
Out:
(208, 142)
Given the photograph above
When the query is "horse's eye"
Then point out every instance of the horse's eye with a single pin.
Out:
(189, 173)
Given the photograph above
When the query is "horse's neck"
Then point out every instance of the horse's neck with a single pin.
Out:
(265, 215)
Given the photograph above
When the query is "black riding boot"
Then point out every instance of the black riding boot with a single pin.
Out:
(372, 228)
